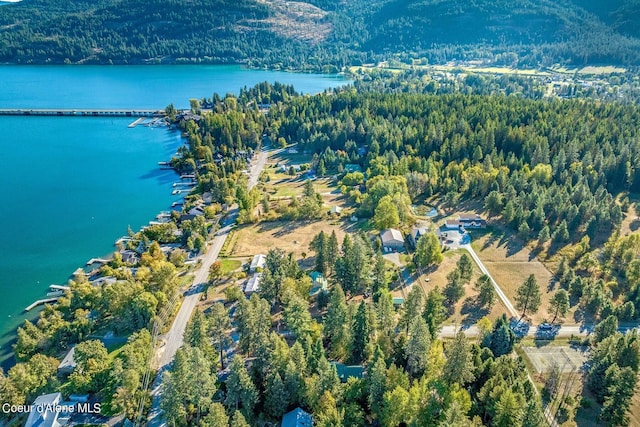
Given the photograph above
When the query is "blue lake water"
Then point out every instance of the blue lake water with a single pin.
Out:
(72, 185)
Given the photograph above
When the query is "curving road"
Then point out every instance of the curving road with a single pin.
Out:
(175, 337)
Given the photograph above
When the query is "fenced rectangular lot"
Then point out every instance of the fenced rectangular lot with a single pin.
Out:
(568, 359)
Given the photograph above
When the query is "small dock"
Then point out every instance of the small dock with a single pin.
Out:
(137, 122)
(41, 301)
(98, 260)
(165, 165)
(59, 287)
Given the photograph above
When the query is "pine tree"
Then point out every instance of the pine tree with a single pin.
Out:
(509, 410)
(217, 417)
(376, 384)
(459, 366)
(528, 296)
(336, 324)
(500, 341)
(465, 267)
(332, 250)
(379, 276)
(219, 325)
(240, 387)
(455, 287)
(319, 245)
(361, 331)
(619, 393)
(559, 304)
(486, 292)
(276, 397)
(413, 307)
(238, 420)
(416, 349)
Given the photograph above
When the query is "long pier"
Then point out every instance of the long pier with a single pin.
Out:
(93, 112)
(41, 301)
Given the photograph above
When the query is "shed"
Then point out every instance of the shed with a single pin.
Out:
(318, 283)
(336, 210)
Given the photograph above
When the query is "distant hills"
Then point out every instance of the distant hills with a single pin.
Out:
(321, 35)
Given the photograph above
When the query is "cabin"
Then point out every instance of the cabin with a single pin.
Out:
(392, 240)
(297, 418)
(257, 263)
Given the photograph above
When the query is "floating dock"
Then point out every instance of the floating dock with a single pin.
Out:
(59, 287)
(41, 301)
(98, 260)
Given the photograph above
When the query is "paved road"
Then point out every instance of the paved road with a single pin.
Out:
(175, 337)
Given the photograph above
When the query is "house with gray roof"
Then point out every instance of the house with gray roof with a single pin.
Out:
(392, 240)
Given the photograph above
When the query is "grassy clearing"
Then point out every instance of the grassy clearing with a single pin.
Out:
(465, 311)
(510, 263)
(229, 265)
(291, 236)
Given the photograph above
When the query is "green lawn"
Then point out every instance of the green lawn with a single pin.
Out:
(229, 265)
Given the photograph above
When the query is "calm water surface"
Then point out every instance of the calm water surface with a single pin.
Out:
(71, 186)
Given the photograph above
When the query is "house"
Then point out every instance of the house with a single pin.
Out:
(452, 224)
(52, 411)
(258, 262)
(253, 284)
(197, 211)
(392, 240)
(129, 257)
(104, 280)
(472, 221)
(415, 235)
(348, 371)
(318, 283)
(297, 418)
(336, 210)
(68, 364)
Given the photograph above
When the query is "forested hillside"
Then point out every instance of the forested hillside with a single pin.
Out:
(322, 35)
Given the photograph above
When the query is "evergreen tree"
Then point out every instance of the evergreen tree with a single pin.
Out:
(319, 244)
(416, 349)
(622, 387)
(332, 249)
(455, 287)
(459, 366)
(336, 324)
(559, 304)
(379, 276)
(465, 267)
(296, 314)
(376, 384)
(276, 397)
(413, 307)
(509, 410)
(500, 341)
(240, 387)
(528, 296)
(486, 292)
(361, 334)
(219, 326)
(238, 420)
(217, 417)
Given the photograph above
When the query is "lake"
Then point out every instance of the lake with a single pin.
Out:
(72, 185)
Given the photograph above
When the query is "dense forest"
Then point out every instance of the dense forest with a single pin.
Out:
(320, 35)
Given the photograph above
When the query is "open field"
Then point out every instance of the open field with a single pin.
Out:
(510, 263)
(465, 311)
(291, 236)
